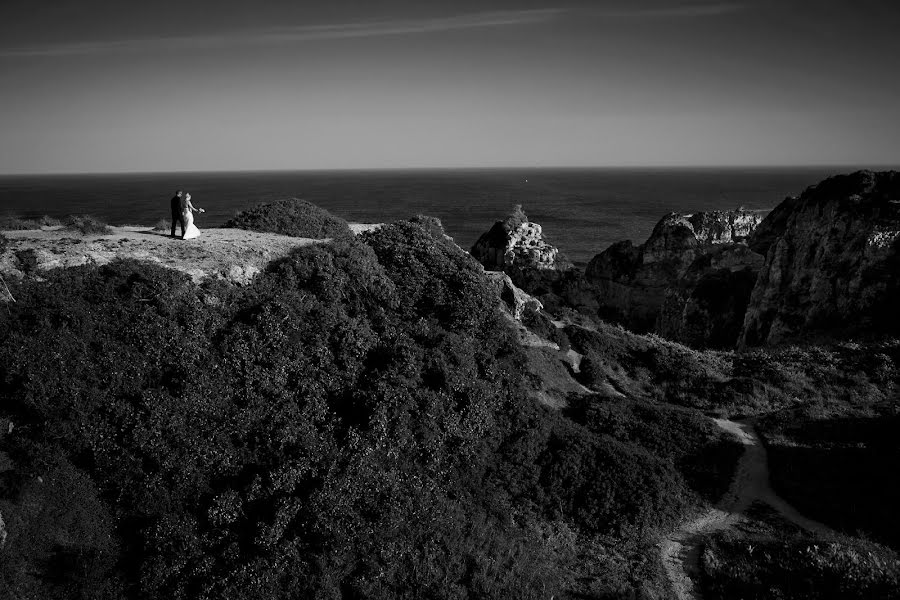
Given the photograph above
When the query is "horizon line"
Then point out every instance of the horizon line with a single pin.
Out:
(626, 167)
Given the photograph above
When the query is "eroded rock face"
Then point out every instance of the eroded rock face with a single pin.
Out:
(724, 227)
(707, 305)
(517, 247)
(691, 267)
(832, 262)
(514, 299)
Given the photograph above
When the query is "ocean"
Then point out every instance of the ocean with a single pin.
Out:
(582, 211)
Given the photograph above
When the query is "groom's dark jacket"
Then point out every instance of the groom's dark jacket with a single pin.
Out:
(177, 204)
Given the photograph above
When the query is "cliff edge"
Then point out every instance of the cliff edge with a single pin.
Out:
(234, 255)
(690, 281)
(832, 264)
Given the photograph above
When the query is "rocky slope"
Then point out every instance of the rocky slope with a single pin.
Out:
(832, 262)
(690, 280)
(515, 300)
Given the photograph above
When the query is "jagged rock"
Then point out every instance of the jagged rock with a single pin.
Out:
(724, 227)
(514, 246)
(691, 264)
(673, 243)
(771, 228)
(240, 274)
(515, 299)
(706, 308)
(832, 262)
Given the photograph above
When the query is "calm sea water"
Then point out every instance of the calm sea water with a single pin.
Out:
(582, 210)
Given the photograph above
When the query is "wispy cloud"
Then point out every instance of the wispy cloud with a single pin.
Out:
(691, 11)
(284, 35)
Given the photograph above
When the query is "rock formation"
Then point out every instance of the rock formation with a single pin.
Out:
(516, 246)
(706, 306)
(690, 280)
(515, 300)
(832, 262)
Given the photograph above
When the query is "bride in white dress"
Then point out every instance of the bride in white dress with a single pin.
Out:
(190, 230)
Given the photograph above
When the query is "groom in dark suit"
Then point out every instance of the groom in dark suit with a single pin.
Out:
(177, 211)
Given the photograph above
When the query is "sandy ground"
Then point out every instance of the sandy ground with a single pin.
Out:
(232, 254)
(680, 551)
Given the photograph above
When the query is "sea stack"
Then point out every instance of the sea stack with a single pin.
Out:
(517, 247)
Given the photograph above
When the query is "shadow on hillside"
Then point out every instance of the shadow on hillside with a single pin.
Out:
(844, 475)
(157, 233)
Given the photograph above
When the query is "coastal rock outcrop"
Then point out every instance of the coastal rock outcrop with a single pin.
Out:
(706, 306)
(689, 281)
(515, 300)
(517, 247)
(832, 263)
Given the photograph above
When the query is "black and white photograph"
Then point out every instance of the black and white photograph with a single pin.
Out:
(430, 300)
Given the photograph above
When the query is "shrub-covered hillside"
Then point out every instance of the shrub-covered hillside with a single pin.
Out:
(295, 217)
(351, 425)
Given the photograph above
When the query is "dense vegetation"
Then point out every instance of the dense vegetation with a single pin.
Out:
(838, 466)
(295, 217)
(87, 225)
(828, 412)
(360, 423)
(84, 224)
(353, 424)
(797, 566)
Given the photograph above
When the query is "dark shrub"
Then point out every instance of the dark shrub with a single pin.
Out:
(58, 522)
(702, 453)
(13, 223)
(294, 217)
(27, 259)
(432, 225)
(352, 424)
(434, 278)
(87, 225)
(799, 568)
(515, 218)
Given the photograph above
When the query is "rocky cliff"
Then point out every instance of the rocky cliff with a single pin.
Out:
(517, 247)
(832, 262)
(514, 300)
(690, 280)
(705, 307)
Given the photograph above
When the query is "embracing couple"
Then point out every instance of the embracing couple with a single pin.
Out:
(183, 213)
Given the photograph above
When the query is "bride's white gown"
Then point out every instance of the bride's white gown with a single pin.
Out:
(190, 230)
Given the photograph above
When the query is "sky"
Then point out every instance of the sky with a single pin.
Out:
(113, 86)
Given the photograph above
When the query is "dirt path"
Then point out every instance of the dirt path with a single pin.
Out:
(232, 254)
(680, 551)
